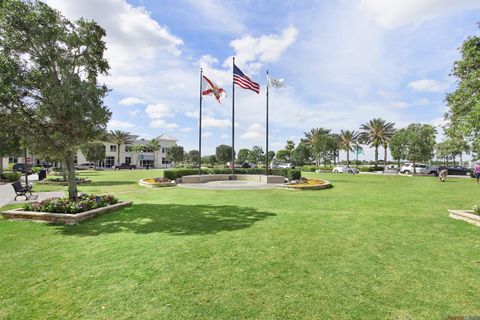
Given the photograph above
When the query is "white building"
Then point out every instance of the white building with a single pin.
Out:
(157, 159)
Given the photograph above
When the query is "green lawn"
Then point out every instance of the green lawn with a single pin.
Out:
(372, 247)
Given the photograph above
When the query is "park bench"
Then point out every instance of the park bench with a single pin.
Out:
(21, 190)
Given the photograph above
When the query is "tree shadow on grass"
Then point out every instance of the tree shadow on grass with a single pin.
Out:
(170, 218)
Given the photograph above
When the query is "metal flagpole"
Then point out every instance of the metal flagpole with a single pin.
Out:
(200, 126)
(266, 138)
(232, 162)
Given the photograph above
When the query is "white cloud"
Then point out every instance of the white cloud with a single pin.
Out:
(394, 14)
(211, 122)
(160, 123)
(157, 111)
(117, 124)
(134, 113)
(224, 136)
(427, 85)
(217, 15)
(131, 101)
(398, 105)
(192, 114)
(254, 132)
(206, 134)
(186, 129)
(252, 52)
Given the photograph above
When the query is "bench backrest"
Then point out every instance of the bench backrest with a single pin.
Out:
(17, 186)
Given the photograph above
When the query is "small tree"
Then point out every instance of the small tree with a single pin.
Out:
(175, 154)
(119, 137)
(153, 146)
(223, 153)
(255, 155)
(301, 154)
(398, 146)
(243, 155)
(10, 139)
(94, 151)
(138, 149)
(283, 155)
(212, 159)
(420, 144)
(290, 145)
(193, 156)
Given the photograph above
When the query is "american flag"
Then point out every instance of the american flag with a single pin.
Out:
(243, 81)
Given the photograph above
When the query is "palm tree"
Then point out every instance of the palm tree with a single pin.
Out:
(315, 139)
(120, 137)
(347, 140)
(153, 146)
(377, 132)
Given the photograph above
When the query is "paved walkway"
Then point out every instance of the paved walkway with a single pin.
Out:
(230, 185)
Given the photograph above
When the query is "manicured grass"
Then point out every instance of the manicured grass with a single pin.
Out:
(372, 247)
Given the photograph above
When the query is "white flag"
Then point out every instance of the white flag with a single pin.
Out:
(275, 83)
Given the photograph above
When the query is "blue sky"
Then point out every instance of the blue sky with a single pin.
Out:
(344, 63)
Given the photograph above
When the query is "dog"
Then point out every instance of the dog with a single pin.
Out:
(442, 176)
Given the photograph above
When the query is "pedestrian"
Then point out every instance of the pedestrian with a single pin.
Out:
(477, 171)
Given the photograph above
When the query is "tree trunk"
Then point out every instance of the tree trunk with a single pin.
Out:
(376, 157)
(461, 159)
(385, 146)
(118, 154)
(64, 170)
(72, 181)
(398, 166)
(348, 158)
(414, 169)
(1, 165)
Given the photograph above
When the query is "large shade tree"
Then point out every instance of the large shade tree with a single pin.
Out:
(420, 142)
(464, 103)
(60, 60)
(375, 133)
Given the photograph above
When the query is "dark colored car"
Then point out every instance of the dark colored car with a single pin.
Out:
(457, 170)
(22, 167)
(125, 166)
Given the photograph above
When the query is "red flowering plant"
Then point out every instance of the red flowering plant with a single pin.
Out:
(65, 205)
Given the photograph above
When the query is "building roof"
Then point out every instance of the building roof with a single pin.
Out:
(165, 137)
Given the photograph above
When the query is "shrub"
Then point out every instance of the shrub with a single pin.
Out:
(10, 176)
(370, 169)
(36, 169)
(476, 209)
(294, 174)
(65, 205)
(309, 168)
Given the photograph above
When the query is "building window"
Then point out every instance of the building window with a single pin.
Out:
(113, 148)
(109, 161)
(128, 148)
(128, 160)
(146, 163)
(164, 160)
(12, 160)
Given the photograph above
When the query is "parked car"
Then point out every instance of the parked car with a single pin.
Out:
(286, 165)
(124, 166)
(22, 167)
(420, 168)
(247, 165)
(85, 166)
(344, 169)
(457, 170)
(237, 165)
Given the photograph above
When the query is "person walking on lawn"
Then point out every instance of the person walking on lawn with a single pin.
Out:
(477, 171)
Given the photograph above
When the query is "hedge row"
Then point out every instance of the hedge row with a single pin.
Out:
(370, 169)
(173, 174)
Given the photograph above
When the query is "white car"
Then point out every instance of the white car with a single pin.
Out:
(286, 165)
(420, 168)
(343, 169)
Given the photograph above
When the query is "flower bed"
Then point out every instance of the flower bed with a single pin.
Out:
(65, 205)
(62, 210)
(469, 216)
(156, 182)
(309, 184)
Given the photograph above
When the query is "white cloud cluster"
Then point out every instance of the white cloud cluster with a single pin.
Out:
(117, 124)
(157, 111)
(254, 132)
(131, 101)
(426, 85)
(394, 14)
(264, 49)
